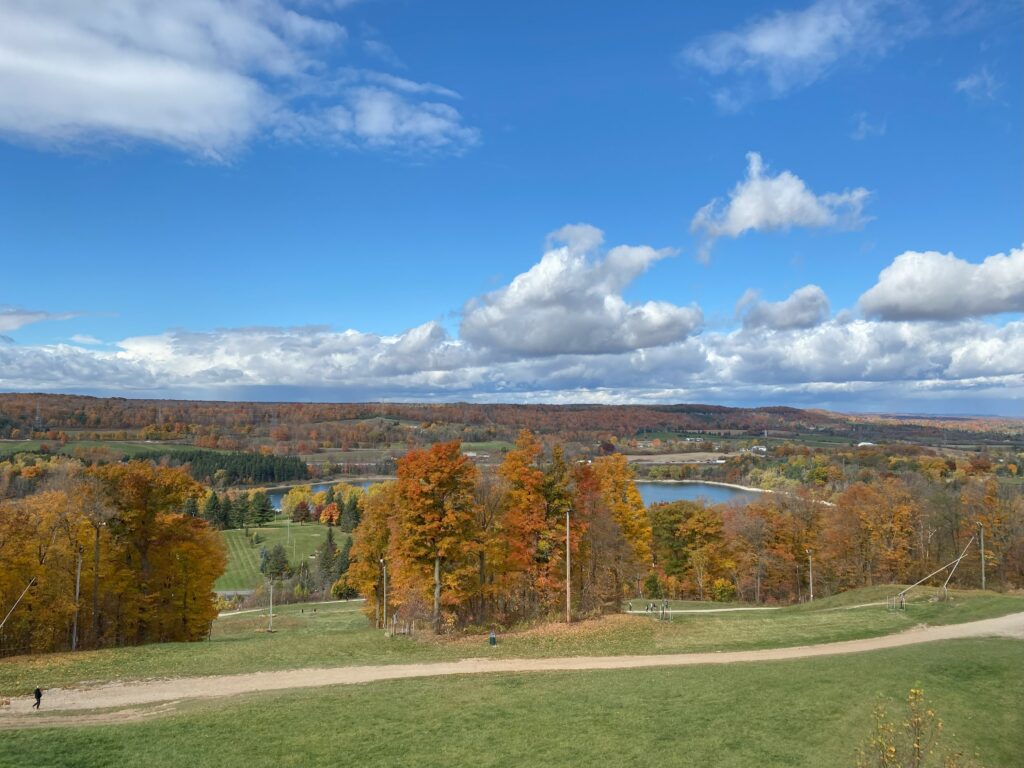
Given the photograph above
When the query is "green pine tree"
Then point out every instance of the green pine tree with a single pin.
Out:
(349, 518)
(262, 509)
(211, 510)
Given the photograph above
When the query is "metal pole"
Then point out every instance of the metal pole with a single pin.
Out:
(982, 527)
(955, 565)
(568, 572)
(27, 587)
(810, 570)
(271, 627)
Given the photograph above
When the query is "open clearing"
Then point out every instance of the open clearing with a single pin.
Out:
(153, 692)
(697, 457)
(718, 689)
(817, 714)
(300, 541)
(338, 635)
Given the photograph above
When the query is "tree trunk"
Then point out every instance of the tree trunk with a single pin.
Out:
(483, 577)
(437, 595)
(96, 589)
(78, 594)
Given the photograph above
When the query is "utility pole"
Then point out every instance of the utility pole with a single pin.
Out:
(271, 627)
(982, 527)
(385, 567)
(810, 571)
(568, 572)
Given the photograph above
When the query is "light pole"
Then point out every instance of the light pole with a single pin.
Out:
(568, 572)
(982, 527)
(810, 571)
(385, 567)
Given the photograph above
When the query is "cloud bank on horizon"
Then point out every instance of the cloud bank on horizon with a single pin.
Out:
(562, 332)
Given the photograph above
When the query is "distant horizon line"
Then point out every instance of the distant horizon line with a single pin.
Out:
(581, 404)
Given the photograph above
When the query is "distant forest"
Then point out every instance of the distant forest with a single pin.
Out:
(306, 428)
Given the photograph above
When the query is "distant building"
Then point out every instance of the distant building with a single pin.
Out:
(865, 444)
(758, 449)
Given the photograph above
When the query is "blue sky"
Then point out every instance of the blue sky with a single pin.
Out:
(353, 200)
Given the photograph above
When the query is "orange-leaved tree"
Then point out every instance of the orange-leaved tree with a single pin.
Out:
(436, 509)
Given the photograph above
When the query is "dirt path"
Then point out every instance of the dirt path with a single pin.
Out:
(70, 706)
(707, 610)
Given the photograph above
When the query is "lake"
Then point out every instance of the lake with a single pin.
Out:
(713, 494)
(651, 492)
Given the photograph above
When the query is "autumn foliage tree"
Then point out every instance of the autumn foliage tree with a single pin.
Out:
(436, 518)
(108, 558)
(478, 548)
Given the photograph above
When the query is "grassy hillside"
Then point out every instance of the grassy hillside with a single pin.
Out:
(300, 541)
(818, 713)
(338, 634)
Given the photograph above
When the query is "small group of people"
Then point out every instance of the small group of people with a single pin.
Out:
(651, 607)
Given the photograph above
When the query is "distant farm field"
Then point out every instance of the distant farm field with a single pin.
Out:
(490, 446)
(131, 448)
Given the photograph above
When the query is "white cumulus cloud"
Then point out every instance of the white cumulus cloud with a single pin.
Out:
(203, 76)
(571, 302)
(804, 308)
(762, 202)
(562, 332)
(940, 286)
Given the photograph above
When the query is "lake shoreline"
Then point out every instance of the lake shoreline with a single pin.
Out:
(749, 488)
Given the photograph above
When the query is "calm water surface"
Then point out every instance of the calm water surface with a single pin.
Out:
(651, 492)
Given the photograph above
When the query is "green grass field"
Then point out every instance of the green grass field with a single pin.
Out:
(356, 454)
(132, 449)
(490, 446)
(792, 713)
(338, 635)
(243, 571)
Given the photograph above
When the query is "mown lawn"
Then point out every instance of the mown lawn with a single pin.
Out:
(338, 634)
(243, 571)
(810, 713)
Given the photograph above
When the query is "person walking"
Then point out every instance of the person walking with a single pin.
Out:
(39, 697)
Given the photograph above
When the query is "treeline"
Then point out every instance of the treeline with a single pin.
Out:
(237, 468)
(890, 530)
(226, 511)
(462, 547)
(340, 505)
(351, 425)
(104, 556)
(214, 468)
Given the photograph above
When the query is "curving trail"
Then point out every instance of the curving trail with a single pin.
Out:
(71, 706)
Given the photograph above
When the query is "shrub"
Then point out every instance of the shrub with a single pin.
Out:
(723, 590)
